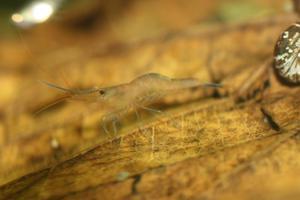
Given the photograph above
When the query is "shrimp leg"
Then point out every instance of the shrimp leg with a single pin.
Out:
(138, 117)
(104, 126)
(110, 118)
(155, 111)
(150, 109)
(115, 124)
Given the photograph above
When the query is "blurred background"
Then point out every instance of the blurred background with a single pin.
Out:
(82, 44)
(118, 21)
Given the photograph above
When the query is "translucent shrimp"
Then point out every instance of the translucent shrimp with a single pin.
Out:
(137, 94)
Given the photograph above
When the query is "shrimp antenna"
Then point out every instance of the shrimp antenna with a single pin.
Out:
(70, 91)
(51, 104)
(56, 101)
(56, 86)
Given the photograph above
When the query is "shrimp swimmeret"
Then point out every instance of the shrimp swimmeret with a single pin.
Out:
(137, 94)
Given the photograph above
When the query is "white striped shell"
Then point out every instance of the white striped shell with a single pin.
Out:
(287, 54)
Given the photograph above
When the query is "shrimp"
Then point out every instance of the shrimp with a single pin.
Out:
(137, 94)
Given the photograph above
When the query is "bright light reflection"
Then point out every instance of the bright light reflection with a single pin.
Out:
(41, 11)
(35, 12)
(17, 18)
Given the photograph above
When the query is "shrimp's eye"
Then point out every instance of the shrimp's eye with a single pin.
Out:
(101, 92)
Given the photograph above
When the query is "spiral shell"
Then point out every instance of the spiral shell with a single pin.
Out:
(287, 54)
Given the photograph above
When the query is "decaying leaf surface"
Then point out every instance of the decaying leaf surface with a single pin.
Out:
(210, 147)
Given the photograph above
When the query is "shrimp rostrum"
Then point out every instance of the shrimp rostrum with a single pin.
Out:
(137, 94)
